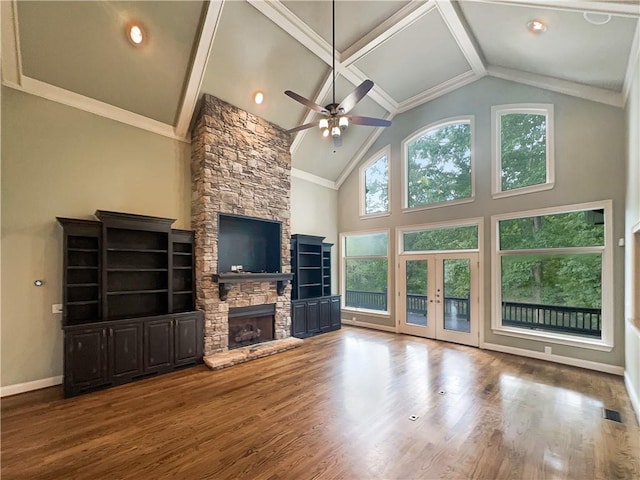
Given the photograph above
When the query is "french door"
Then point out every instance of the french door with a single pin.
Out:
(438, 296)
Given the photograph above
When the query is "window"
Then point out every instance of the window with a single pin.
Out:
(365, 271)
(441, 238)
(552, 275)
(374, 184)
(522, 149)
(438, 165)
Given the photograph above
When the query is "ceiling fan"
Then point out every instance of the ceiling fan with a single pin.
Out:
(336, 118)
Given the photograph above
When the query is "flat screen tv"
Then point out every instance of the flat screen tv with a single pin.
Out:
(251, 242)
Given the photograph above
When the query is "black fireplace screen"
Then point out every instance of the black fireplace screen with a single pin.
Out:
(249, 325)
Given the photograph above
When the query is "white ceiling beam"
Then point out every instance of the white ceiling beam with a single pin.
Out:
(377, 94)
(199, 66)
(290, 23)
(404, 17)
(91, 105)
(11, 61)
(587, 92)
(462, 36)
(626, 9)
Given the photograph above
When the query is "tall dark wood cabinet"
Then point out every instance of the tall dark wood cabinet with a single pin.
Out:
(128, 300)
(313, 308)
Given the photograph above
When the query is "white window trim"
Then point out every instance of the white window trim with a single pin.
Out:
(496, 151)
(606, 343)
(405, 170)
(343, 283)
(467, 222)
(385, 151)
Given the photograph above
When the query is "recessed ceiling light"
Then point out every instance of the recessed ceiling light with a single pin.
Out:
(597, 18)
(136, 34)
(537, 26)
(259, 97)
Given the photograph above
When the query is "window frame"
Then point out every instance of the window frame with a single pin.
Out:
(384, 151)
(343, 279)
(405, 161)
(468, 222)
(496, 147)
(606, 342)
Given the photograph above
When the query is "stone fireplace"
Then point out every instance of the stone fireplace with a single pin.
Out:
(240, 165)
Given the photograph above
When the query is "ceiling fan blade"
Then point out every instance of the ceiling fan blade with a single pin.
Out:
(337, 141)
(354, 97)
(371, 122)
(307, 103)
(303, 127)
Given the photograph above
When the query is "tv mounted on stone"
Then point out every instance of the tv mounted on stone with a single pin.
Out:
(251, 242)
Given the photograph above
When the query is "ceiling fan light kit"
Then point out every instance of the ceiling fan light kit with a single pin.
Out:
(337, 120)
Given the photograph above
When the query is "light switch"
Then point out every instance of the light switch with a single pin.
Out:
(56, 308)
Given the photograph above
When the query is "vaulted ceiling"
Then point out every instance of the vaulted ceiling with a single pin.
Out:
(77, 53)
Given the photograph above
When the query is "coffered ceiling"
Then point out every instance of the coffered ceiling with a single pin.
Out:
(76, 53)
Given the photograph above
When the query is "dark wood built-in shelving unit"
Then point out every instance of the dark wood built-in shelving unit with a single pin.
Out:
(313, 309)
(128, 300)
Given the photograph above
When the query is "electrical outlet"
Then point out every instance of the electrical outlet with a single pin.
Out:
(547, 350)
(234, 268)
(56, 308)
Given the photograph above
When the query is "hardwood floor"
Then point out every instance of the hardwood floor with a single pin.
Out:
(337, 407)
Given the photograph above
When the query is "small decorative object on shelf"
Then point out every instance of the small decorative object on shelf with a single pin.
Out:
(313, 309)
(128, 300)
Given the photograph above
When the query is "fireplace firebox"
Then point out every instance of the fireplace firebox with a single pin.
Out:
(249, 325)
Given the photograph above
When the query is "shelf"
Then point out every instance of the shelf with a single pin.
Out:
(70, 285)
(310, 253)
(183, 268)
(137, 250)
(133, 270)
(183, 253)
(183, 292)
(82, 267)
(91, 250)
(310, 285)
(225, 279)
(84, 302)
(308, 268)
(137, 292)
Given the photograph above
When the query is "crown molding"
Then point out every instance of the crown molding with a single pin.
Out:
(566, 87)
(75, 100)
(625, 9)
(11, 61)
(442, 88)
(198, 66)
(310, 177)
(632, 63)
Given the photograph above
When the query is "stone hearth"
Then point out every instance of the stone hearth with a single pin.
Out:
(240, 165)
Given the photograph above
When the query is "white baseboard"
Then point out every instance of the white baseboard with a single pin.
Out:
(374, 326)
(635, 402)
(29, 386)
(550, 357)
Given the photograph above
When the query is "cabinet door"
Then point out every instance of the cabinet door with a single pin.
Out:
(125, 350)
(188, 337)
(336, 313)
(85, 359)
(325, 314)
(313, 316)
(299, 319)
(158, 344)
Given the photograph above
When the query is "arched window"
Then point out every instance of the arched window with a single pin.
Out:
(438, 164)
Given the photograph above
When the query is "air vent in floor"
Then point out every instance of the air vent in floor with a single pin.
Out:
(611, 415)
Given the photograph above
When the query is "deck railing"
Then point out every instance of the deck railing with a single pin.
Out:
(576, 320)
